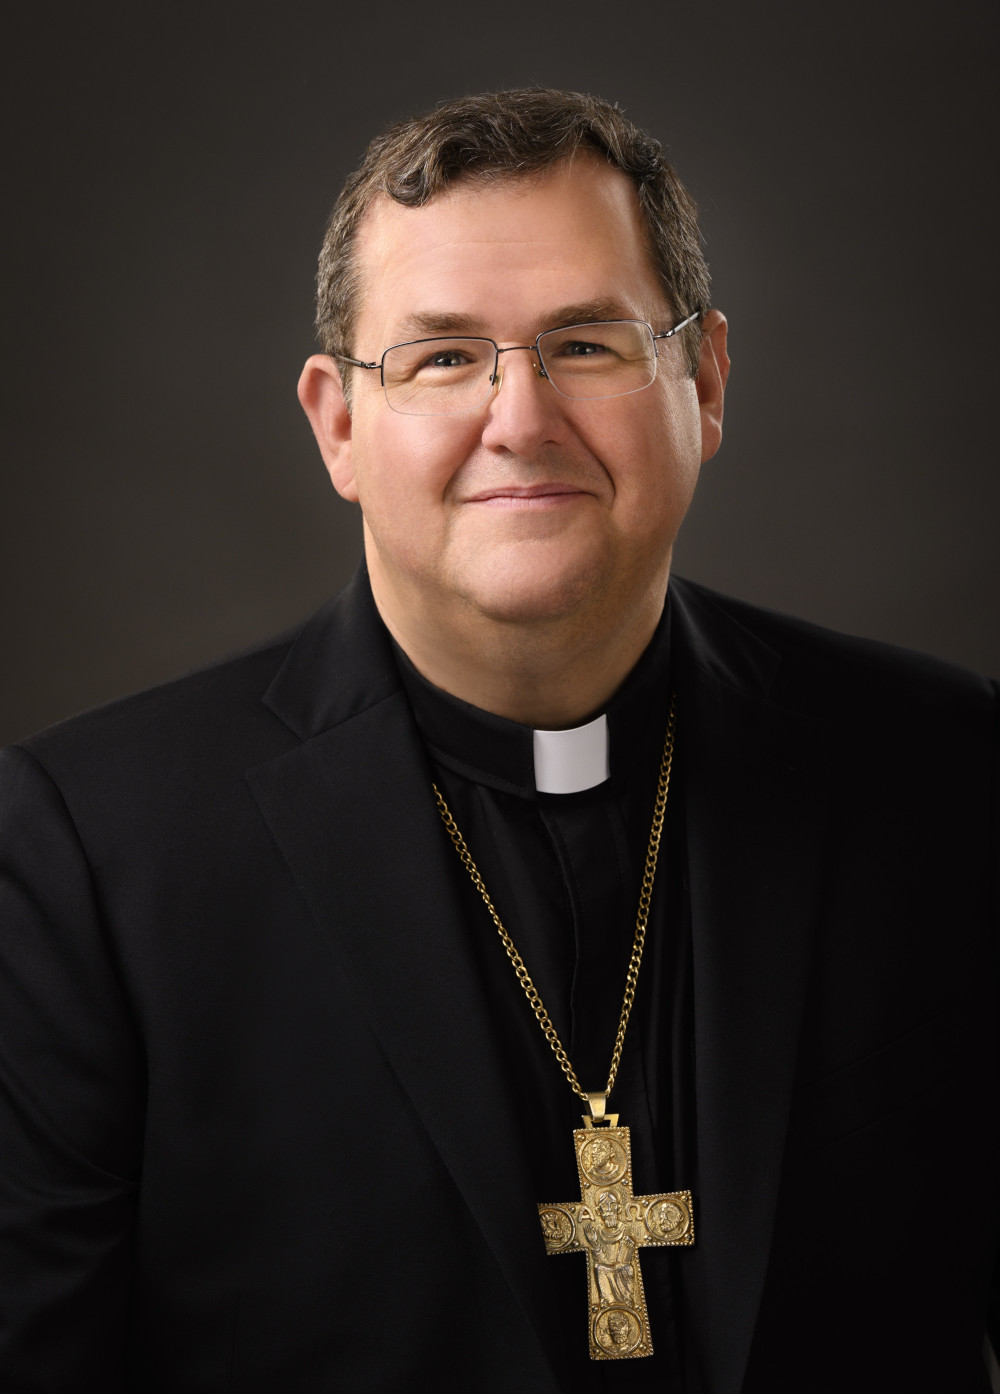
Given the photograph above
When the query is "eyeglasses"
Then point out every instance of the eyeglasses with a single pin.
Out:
(457, 373)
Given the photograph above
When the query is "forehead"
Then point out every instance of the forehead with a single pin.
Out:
(504, 255)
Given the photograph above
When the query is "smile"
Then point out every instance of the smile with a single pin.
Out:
(530, 496)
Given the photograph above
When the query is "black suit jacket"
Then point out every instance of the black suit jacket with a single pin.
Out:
(256, 1134)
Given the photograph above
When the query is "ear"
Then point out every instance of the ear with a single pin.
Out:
(321, 393)
(713, 372)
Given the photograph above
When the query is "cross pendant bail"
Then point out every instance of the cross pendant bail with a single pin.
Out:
(597, 1117)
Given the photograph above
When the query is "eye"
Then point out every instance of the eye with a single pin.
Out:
(445, 358)
(581, 348)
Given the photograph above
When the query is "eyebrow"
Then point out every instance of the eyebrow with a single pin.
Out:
(438, 322)
(586, 312)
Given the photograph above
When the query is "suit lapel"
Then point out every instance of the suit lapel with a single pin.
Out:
(352, 811)
(755, 830)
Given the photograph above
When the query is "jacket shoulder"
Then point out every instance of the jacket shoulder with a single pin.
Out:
(823, 668)
(187, 720)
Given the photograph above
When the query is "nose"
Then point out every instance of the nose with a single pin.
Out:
(526, 414)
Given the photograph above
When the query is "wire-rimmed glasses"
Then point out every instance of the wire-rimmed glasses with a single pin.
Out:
(458, 373)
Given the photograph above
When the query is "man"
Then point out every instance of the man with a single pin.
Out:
(319, 963)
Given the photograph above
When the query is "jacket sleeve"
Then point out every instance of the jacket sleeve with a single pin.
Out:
(71, 1100)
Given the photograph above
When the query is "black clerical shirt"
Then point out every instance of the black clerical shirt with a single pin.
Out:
(564, 872)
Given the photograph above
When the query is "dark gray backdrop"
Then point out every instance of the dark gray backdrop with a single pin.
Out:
(164, 502)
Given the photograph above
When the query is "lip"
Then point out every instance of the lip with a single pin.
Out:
(510, 495)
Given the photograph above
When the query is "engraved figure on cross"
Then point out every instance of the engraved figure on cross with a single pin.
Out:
(602, 1163)
(550, 1226)
(664, 1219)
(620, 1329)
(614, 1251)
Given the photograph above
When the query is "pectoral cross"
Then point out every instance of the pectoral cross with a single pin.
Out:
(609, 1224)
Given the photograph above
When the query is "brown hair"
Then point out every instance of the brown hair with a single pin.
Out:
(509, 135)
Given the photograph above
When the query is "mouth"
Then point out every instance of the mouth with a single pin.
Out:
(529, 495)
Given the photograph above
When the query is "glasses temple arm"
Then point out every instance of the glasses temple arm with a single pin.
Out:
(669, 333)
(344, 358)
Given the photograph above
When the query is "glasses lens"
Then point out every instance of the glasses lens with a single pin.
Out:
(599, 360)
(434, 377)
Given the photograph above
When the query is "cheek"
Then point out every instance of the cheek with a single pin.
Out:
(403, 467)
(658, 455)
(676, 421)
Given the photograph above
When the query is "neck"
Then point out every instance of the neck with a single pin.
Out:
(550, 674)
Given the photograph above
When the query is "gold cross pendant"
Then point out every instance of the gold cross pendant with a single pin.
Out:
(609, 1224)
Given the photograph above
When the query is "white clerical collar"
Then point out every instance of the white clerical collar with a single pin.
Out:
(567, 762)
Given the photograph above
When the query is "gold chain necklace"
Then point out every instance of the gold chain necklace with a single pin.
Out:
(608, 1223)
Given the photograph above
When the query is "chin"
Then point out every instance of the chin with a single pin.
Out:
(522, 596)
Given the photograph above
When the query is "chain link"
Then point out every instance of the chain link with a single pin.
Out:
(642, 918)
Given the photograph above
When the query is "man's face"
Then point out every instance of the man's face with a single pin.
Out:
(608, 1208)
(533, 507)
